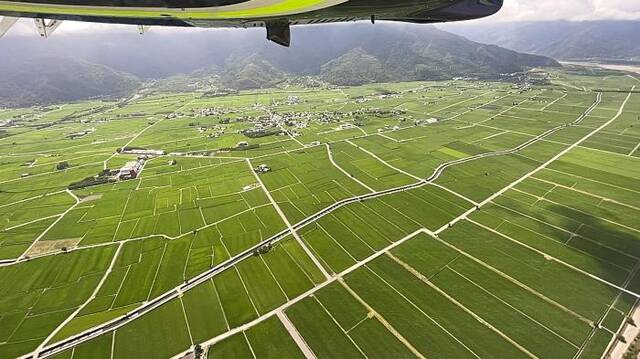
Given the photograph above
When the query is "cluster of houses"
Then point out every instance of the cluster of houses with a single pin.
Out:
(523, 81)
(212, 111)
(174, 115)
(212, 131)
(291, 100)
(296, 122)
(219, 92)
(261, 130)
(272, 124)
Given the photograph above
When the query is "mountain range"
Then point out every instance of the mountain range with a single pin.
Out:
(78, 67)
(365, 54)
(564, 40)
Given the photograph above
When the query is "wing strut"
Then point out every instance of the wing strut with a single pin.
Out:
(142, 29)
(279, 32)
(45, 29)
(6, 23)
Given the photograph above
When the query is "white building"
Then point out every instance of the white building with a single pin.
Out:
(130, 170)
(144, 152)
(263, 168)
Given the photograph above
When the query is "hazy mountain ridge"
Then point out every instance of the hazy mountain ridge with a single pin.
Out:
(403, 52)
(563, 40)
(45, 80)
(366, 54)
(339, 54)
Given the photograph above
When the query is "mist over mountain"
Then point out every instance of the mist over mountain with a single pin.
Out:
(565, 40)
(54, 79)
(340, 54)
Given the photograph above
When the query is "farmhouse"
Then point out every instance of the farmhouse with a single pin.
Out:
(81, 133)
(263, 168)
(144, 152)
(427, 121)
(130, 170)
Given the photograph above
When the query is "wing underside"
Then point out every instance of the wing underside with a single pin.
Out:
(275, 15)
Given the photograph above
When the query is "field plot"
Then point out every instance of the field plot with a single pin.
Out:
(39, 295)
(580, 209)
(357, 231)
(479, 179)
(217, 197)
(27, 186)
(130, 340)
(15, 241)
(14, 215)
(304, 182)
(419, 151)
(333, 323)
(238, 295)
(367, 169)
(227, 235)
(268, 339)
(432, 293)
(552, 280)
(621, 136)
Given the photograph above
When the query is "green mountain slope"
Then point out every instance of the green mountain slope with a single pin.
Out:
(184, 61)
(250, 73)
(49, 80)
(356, 67)
(366, 54)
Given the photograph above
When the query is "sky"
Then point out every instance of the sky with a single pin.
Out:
(573, 10)
(513, 10)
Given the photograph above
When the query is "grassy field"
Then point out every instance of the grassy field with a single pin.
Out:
(528, 253)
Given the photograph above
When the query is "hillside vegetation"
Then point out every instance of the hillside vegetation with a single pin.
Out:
(46, 80)
(352, 54)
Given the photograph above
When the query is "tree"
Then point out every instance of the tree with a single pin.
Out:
(62, 165)
(198, 351)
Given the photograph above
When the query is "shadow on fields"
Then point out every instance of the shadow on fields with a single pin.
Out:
(618, 245)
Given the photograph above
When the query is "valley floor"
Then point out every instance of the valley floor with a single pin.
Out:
(422, 219)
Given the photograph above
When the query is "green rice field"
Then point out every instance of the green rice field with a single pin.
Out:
(321, 237)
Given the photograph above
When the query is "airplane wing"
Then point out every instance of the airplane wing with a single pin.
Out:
(276, 15)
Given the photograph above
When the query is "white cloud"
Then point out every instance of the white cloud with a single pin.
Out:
(573, 10)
